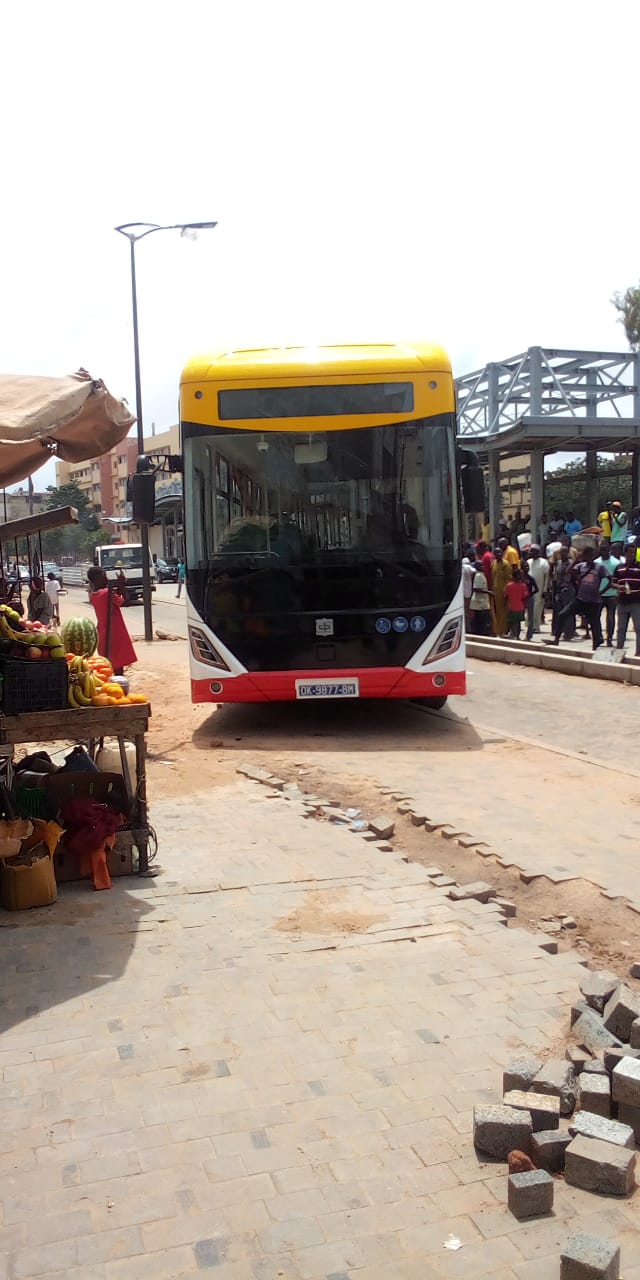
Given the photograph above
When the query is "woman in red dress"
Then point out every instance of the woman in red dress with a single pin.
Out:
(121, 651)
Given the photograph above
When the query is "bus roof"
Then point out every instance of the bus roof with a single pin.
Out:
(291, 362)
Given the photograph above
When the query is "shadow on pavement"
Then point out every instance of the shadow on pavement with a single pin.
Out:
(50, 955)
(334, 726)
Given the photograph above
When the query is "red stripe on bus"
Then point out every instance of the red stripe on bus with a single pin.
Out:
(375, 682)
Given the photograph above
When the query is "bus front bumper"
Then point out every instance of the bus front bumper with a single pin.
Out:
(374, 682)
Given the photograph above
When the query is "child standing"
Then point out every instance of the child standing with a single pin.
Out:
(516, 594)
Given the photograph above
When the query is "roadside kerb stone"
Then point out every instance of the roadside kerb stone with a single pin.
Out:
(600, 1166)
(519, 1072)
(587, 1257)
(478, 890)
(507, 908)
(621, 1011)
(544, 1111)
(597, 986)
(595, 1093)
(417, 819)
(530, 1195)
(589, 1030)
(442, 881)
(558, 1079)
(497, 1130)
(383, 828)
(589, 1125)
(634, 1039)
(577, 1009)
(548, 1149)
(594, 1067)
(626, 1082)
(615, 1055)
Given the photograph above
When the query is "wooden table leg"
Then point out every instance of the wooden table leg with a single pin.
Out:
(141, 793)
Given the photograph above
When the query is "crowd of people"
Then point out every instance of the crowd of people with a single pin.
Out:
(515, 581)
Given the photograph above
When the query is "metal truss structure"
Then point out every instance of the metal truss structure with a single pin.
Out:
(554, 397)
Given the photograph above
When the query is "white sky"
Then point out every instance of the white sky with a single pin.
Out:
(462, 172)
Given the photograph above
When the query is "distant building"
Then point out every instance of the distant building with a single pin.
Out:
(15, 504)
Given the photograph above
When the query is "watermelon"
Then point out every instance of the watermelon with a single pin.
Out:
(80, 636)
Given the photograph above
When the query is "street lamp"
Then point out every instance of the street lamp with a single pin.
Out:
(135, 231)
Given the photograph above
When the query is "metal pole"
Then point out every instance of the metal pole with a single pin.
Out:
(144, 529)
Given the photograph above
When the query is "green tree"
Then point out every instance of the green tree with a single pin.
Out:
(627, 305)
(71, 495)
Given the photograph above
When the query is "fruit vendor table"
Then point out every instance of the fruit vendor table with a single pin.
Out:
(129, 723)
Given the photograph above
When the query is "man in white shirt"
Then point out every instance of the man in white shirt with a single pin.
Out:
(52, 588)
(539, 570)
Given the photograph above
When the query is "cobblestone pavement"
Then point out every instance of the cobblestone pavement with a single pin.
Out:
(263, 1064)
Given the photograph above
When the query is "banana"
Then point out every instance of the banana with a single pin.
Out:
(81, 698)
(72, 697)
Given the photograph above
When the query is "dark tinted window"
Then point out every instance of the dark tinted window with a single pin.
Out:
(315, 402)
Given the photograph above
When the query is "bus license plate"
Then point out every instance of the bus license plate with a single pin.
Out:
(327, 688)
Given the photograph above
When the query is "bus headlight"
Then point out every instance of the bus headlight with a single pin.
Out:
(446, 642)
(203, 650)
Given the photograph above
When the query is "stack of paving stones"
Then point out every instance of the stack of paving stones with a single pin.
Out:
(577, 1116)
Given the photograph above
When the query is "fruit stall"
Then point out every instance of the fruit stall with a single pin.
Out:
(55, 689)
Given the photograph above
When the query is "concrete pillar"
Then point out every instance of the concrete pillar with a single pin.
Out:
(592, 496)
(495, 500)
(537, 490)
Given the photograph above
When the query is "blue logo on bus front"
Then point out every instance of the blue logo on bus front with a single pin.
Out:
(418, 623)
(383, 626)
(400, 624)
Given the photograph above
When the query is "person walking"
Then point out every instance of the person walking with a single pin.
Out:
(516, 594)
(52, 588)
(538, 568)
(626, 579)
(610, 593)
(619, 528)
(114, 641)
(480, 603)
(589, 579)
(501, 574)
(181, 577)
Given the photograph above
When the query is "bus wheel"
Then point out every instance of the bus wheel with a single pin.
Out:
(430, 704)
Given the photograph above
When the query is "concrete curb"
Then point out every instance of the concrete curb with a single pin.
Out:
(525, 654)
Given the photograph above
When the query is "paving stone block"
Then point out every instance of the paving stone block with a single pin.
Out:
(597, 986)
(621, 1011)
(594, 1067)
(592, 1125)
(595, 1093)
(549, 945)
(530, 1195)
(558, 1078)
(577, 1009)
(634, 1038)
(630, 1116)
(589, 1030)
(544, 1111)
(578, 1058)
(432, 871)
(634, 971)
(600, 1166)
(442, 881)
(497, 1130)
(589, 1258)
(548, 1149)
(507, 908)
(417, 819)
(519, 1072)
(626, 1082)
(613, 1056)
(383, 828)
(478, 890)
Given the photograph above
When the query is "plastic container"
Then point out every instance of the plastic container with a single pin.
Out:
(108, 759)
(33, 685)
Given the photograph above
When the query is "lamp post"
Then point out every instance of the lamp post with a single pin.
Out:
(135, 231)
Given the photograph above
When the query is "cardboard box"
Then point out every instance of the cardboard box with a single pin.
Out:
(23, 886)
(119, 861)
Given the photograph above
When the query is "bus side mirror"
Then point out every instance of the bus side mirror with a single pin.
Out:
(472, 478)
(143, 498)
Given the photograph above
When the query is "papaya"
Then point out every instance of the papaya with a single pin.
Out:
(135, 698)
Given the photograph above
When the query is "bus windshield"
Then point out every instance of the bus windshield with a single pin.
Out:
(355, 518)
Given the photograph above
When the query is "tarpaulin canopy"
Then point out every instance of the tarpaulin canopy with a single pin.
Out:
(74, 418)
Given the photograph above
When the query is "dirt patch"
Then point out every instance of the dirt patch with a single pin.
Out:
(607, 932)
(321, 912)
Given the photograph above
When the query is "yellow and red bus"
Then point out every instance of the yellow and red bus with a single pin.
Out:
(322, 524)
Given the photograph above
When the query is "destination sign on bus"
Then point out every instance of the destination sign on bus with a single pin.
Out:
(315, 402)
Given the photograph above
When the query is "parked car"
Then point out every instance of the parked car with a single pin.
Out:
(167, 570)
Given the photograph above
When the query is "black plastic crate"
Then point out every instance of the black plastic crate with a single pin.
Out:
(33, 685)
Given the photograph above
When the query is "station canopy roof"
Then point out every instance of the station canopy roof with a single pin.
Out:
(606, 435)
(73, 418)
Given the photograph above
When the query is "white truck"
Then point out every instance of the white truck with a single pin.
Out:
(126, 558)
